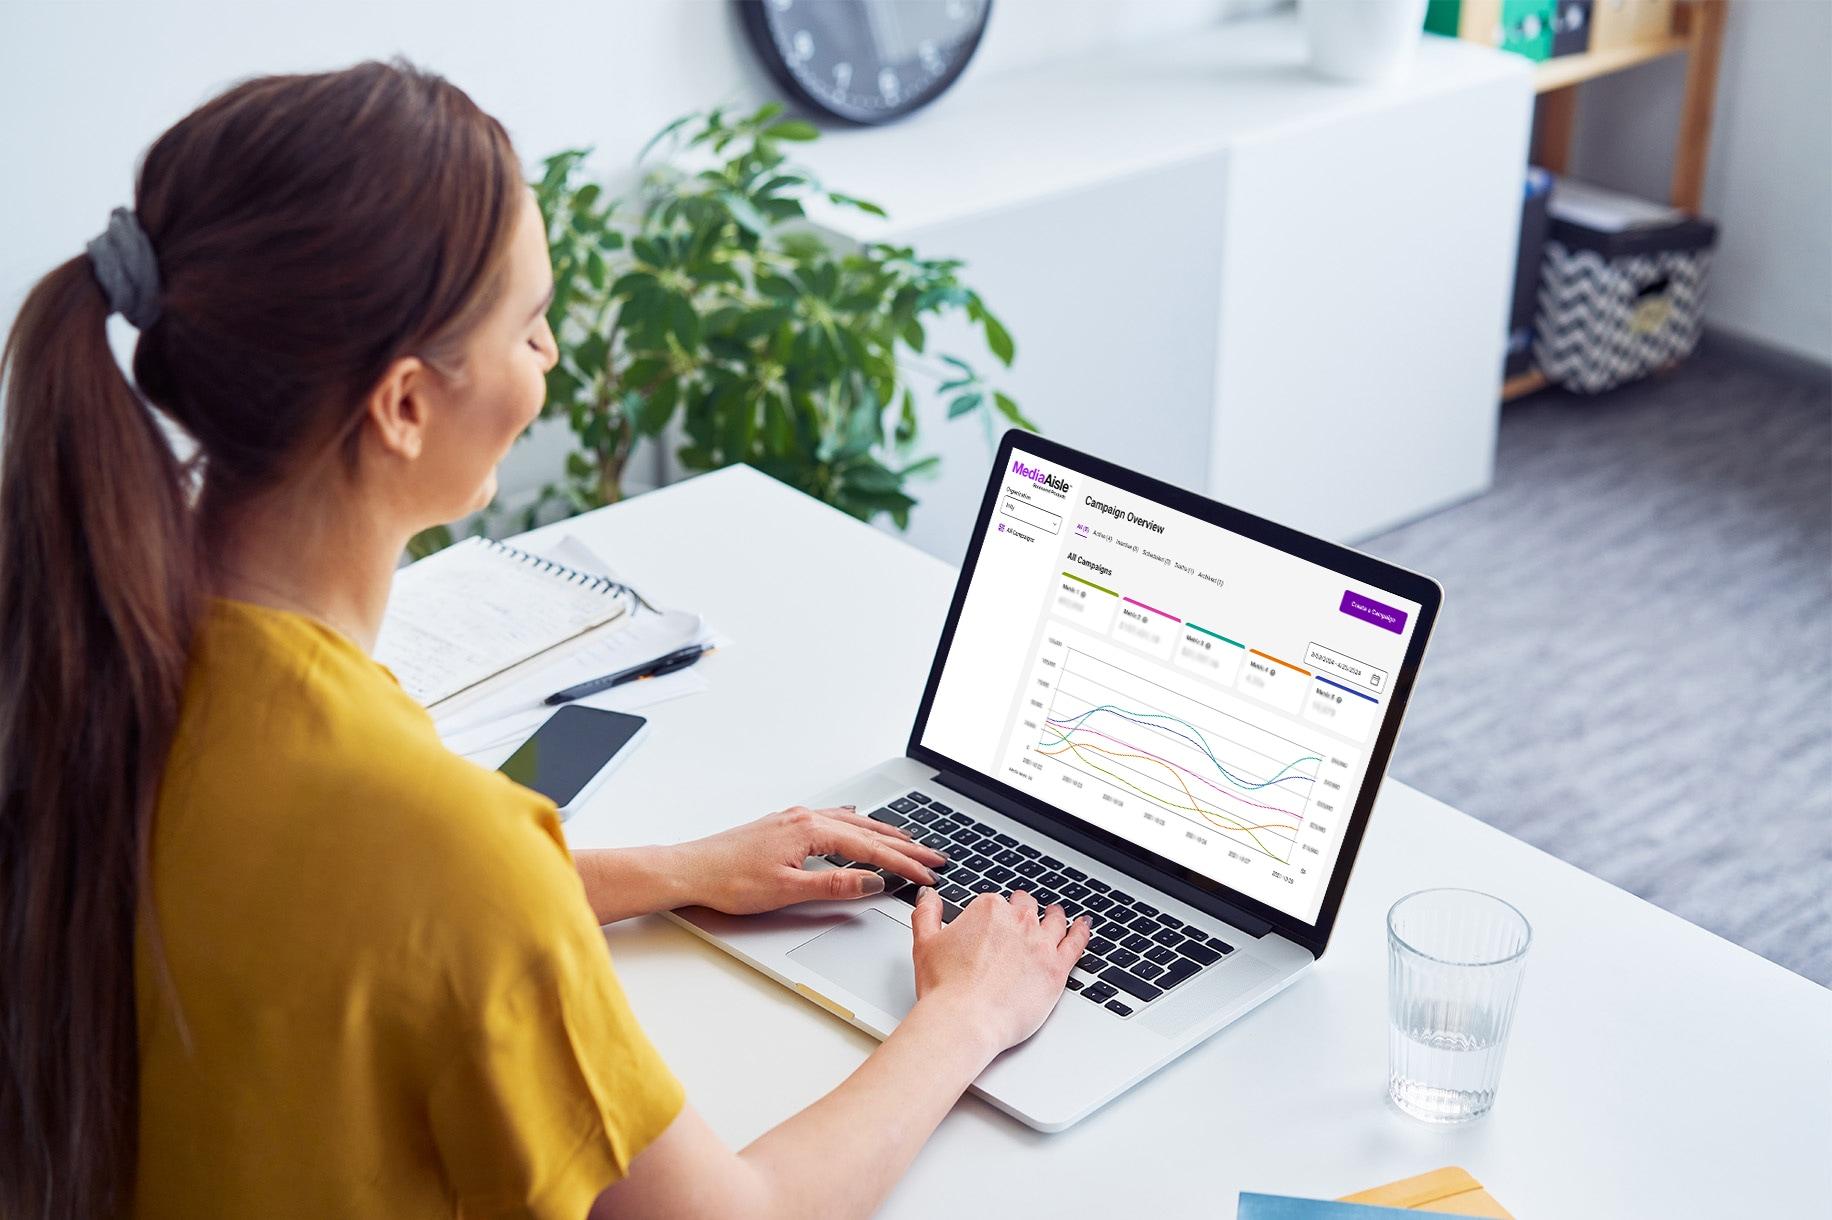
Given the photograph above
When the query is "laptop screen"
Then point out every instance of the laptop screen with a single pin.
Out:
(1211, 699)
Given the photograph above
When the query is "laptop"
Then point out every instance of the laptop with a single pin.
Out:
(1147, 706)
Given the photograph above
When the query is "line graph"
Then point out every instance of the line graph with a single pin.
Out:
(1199, 763)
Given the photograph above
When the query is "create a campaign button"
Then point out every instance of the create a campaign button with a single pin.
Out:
(1361, 606)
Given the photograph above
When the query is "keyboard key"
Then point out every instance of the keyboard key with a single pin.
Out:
(1215, 942)
(977, 862)
(931, 839)
(1119, 912)
(1073, 874)
(1000, 874)
(1045, 896)
(903, 804)
(1145, 925)
(890, 817)
(1051, 862)
(1069, 909)
(938, 807)
(1029, 868)
(1076, 890)
(1025, 849)
(836, 858)
(918, 797)
(1101, 945)
(1116, 1006)
(1144, 909)
(967, 838)
(1098, 903)
(956, 895)
(1099, 886)
(1131, 984)
(1008, 858)
(1176, 972)
(984, 886)
(948, 912)
(906, 893)
(1137, 943)
(1054, 879)
(1004, 840)
(925, 816)
(1161, 955)
(981, 828)
(1074, 984)
(1100, 993)
(1170, 921)
(1199, 953)
(1122, 957)
(1167, 938)
(1091, 963)
(1147, 970)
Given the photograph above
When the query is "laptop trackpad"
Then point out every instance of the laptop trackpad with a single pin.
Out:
(869, 956)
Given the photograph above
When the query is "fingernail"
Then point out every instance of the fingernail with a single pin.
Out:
(871, 883)
(854, 808)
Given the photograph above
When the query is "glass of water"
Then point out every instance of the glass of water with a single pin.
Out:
(1454, 961)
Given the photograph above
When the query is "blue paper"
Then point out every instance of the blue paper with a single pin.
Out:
(1284, 1207)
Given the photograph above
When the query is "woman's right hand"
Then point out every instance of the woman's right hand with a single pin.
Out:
(997, 966)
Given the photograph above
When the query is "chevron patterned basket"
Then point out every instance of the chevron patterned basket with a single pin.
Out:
(1616, 306)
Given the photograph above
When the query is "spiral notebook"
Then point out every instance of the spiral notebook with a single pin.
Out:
(465, 614)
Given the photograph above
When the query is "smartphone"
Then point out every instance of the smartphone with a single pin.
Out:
(572, 753)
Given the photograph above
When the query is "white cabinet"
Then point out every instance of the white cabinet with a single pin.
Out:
(1287, 292)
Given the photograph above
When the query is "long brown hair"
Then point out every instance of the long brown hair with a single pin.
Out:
(308, 230)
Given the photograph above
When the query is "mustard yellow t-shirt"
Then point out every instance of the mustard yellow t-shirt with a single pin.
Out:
(395, 1000)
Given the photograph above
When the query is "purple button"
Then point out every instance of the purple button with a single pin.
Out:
(1361, 606)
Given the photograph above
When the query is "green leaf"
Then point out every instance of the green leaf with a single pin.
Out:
(998, 338)
(683, 322)
(664, 133)
(923, 467)
(587, 196)
(914, 335)
(964, 404)
(764, 114)
(792, 129)
(853, 201)
(595, 270)
(657, 408)
(1009, 409)
(744, 212)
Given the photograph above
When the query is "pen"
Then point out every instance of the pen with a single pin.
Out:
(679, 659)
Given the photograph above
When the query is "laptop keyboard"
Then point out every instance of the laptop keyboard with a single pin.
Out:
(1137, 954)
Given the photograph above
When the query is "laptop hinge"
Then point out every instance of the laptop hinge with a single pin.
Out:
(1220, 908)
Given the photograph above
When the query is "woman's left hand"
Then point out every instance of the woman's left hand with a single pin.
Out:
(758, 866)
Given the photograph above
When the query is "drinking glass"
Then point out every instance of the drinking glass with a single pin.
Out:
(1454, 961)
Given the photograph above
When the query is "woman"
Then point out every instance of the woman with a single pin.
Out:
(266, 948)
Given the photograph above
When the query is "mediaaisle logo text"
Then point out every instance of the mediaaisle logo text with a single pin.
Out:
(1037, 476)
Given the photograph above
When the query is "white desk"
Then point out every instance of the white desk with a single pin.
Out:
(1654, 1070)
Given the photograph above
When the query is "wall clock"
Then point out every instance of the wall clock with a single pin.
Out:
(865, 61)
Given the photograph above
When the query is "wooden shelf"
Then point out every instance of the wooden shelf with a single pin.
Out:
(1568, 70)
(1698, 33)
(1522, 385)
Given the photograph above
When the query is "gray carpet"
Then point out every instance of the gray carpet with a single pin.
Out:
(1634, 667)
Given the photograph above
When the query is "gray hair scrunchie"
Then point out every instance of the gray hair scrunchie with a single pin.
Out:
(125, 267)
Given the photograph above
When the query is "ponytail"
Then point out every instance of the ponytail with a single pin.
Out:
(100, 590)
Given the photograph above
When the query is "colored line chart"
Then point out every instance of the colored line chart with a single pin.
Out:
(1159, 746)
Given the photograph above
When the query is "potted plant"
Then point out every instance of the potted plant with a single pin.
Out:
(705, 298)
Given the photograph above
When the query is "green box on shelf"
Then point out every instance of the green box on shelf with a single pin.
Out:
(1524, 27)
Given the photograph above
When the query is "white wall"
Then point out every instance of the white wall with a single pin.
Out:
(1769, 182)
(86, 85)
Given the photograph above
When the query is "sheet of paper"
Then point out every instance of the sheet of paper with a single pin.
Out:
(1607, 211)
(644, 637)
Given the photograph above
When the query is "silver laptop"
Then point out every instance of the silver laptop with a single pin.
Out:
(1147, 706)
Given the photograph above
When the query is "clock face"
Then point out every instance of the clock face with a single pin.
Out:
(866, 61)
